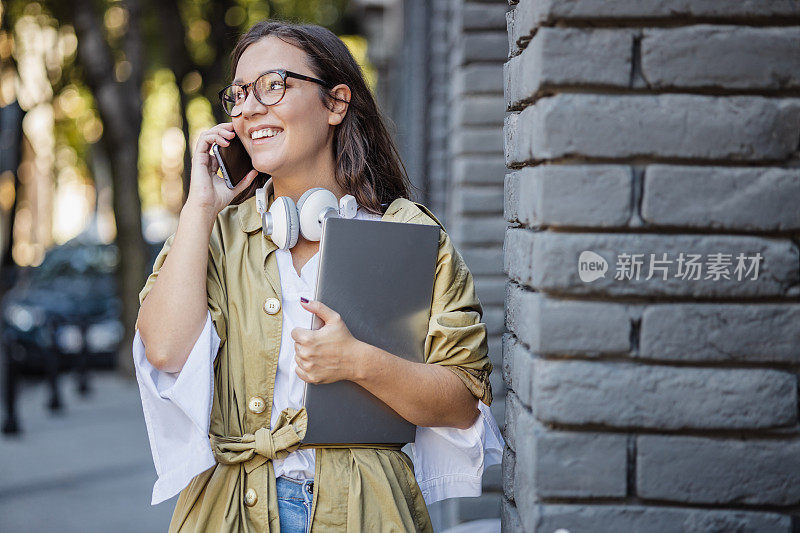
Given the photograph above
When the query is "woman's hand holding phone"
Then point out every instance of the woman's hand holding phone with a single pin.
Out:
(172, 315)
(207, 191)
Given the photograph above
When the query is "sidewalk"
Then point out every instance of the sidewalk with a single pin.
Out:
(87, 469)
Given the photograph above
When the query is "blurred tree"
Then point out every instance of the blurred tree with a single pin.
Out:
(119, 46)
(192, 71)
(10, 150)
(116, 86)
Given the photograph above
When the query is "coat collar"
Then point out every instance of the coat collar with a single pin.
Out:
(400, 210)
(249, 217)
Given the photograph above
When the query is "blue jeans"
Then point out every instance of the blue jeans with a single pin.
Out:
(294, 504)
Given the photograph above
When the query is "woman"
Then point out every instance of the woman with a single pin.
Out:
(224, 298)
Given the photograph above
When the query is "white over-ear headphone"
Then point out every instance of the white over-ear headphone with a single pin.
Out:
(285, 221)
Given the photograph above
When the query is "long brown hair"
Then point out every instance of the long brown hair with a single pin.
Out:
(368, 165)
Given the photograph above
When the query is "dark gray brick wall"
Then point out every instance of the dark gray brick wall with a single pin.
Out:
(663, 135)
(619, 518)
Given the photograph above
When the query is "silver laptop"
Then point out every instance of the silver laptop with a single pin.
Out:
(379, 277)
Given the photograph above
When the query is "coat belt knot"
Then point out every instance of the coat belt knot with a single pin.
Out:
(255, 449)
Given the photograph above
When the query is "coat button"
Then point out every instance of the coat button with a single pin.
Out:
(272, 306)
(250, 497)
(257, 404)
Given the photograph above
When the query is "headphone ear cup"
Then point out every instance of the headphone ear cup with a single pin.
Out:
(286, 228)
(309, 206)
(292, 222)
(305, 195)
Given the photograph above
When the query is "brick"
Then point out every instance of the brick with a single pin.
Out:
(509, 518)
(569, 57)
(495, 343)
(493, 317)
(561, 464)
(479, 110)
(512, 139)
(480, 261)
(556, 258)
(479, 508)
(478, 79)
(478, 140)
(753, 333)
(522, 373)
(513, 201)
(439, 113)
(570, 195)
(477, 200)
(717, 471)
(520, 27)
(491, 16)
(731, 57)
(734, 128)
(439, 95)
(490, 290)
(509, 347)
(483, 46)
(531, 14)
(524, 440)
(483, 229)
(496, 378)
(509, 466)
(517, 137)
(512, 26)
(744, 199)
(512, 414)
(628, 395)
(549, 326)
(486, 169)
(629, 518)
(498, 409)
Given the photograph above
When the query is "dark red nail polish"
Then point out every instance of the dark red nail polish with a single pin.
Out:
(304, 300)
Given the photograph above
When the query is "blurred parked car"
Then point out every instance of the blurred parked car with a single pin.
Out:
(62, 315)
(67, 305)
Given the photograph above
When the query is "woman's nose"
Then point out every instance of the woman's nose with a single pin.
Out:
(251, 105)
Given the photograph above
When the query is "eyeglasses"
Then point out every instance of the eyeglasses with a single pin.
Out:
(269, 88)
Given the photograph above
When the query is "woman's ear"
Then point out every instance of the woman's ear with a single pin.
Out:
(338, 107)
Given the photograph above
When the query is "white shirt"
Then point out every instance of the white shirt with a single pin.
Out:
(448, 462)
(288, 386)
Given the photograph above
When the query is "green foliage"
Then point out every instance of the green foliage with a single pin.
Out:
(210, 28)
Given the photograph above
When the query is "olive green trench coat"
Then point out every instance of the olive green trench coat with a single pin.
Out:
(355, 489)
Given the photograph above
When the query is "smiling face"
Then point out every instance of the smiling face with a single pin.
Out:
(302, 148)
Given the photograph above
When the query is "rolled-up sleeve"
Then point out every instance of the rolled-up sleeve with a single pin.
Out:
(177, 413)
(457, 337)
(450, 462)
(177, 406)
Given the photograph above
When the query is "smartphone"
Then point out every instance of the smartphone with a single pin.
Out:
(234, 161)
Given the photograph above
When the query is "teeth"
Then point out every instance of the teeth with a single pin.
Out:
(266, 132)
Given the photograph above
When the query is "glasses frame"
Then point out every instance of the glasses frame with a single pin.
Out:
(283, 73)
